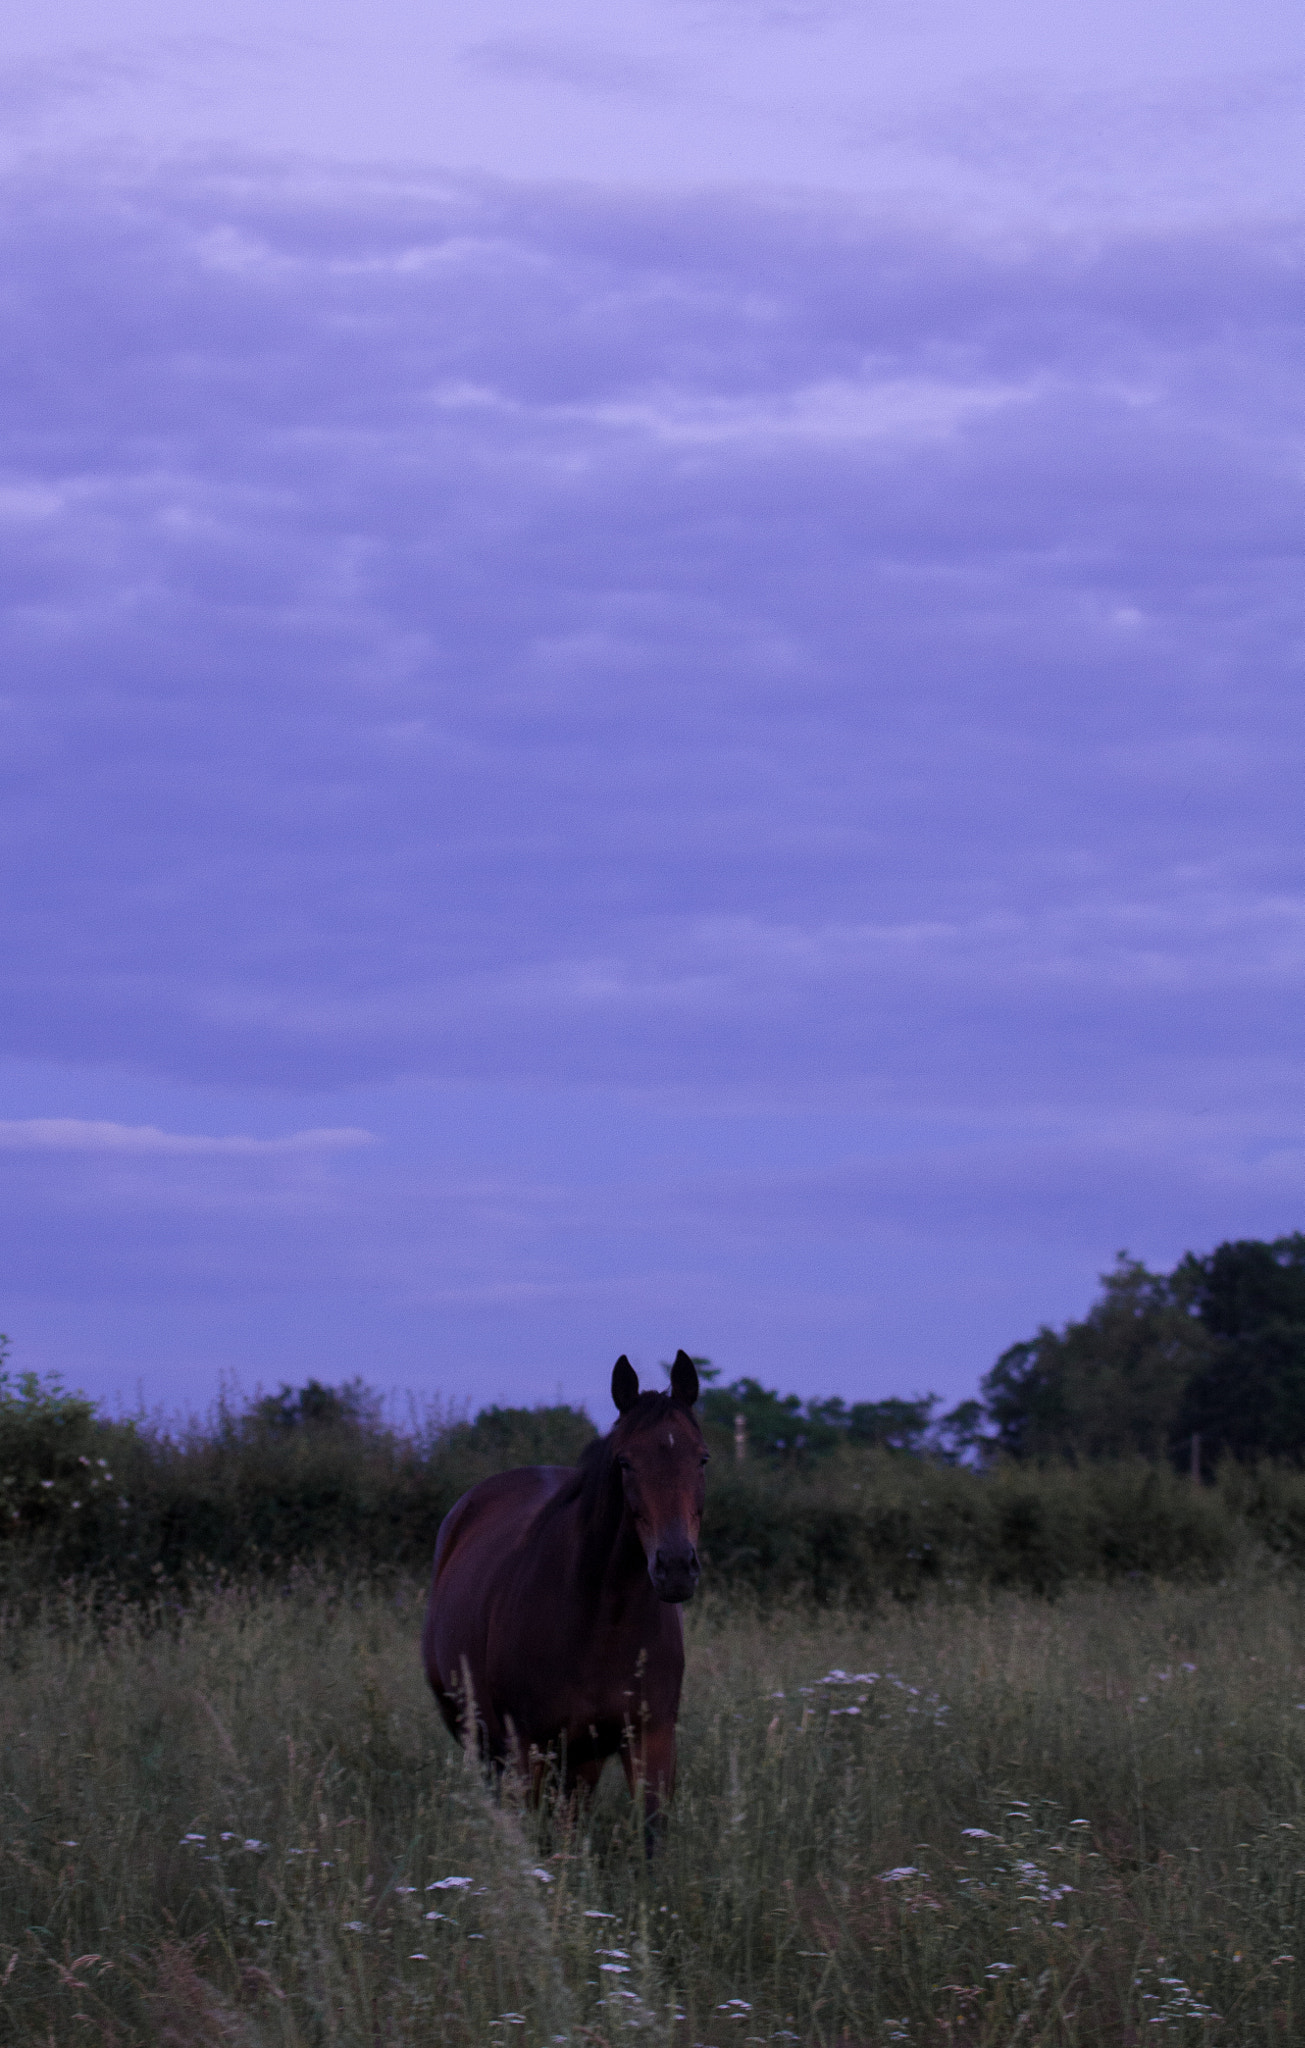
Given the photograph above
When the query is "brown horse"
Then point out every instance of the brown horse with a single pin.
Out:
(553, 1611)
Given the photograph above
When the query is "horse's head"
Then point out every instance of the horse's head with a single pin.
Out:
(658, 1448)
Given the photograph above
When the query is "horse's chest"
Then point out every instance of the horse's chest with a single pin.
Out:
(629, 1676)
(595, 1683)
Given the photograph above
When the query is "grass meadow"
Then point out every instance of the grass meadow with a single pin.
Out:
(993, 1820)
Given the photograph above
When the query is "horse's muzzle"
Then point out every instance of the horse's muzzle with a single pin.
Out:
(675, 1573)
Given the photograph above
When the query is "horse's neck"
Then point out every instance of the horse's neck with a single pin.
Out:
(611, 1560)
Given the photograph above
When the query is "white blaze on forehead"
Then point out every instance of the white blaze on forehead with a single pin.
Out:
(670, 1436)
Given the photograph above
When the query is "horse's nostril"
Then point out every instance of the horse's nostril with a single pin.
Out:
(674, 1563)
(675, 1573)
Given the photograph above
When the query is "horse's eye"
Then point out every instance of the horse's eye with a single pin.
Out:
(624, 1464)
(705, 1459)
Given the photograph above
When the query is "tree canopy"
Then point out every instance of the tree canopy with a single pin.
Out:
(783, 1426)
(1216, 1348)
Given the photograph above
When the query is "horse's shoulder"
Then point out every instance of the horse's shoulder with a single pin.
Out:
(508, 1502)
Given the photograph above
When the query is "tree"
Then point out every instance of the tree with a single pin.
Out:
(893, 1424)
(1248, 1397)
(1215, 1349)
(784, 1426)
(1106, 1387)
(776, 1424)
(313, 1410)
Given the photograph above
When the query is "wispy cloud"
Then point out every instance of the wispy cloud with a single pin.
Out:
(29, 86)
(560, 61)
(836, 414)
(74, 1134)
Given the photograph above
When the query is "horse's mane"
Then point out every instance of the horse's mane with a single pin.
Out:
(594, 1485)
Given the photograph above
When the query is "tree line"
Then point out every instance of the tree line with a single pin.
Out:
(1213, 1351)
(1211, 1354)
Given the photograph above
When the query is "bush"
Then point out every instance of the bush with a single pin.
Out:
(297, 1476)
(877, 1524)
(316, 1475)
(61, 1499)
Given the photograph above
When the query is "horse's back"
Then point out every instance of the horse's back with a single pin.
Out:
(477, 1541)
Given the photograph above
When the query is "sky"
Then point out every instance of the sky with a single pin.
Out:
(650, 683)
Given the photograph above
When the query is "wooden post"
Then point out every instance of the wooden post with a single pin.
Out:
(740, 1439)
(1196, 1457)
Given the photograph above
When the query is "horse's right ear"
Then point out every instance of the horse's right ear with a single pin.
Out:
(625, 1384)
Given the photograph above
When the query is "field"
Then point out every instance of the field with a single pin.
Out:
(988, 1821)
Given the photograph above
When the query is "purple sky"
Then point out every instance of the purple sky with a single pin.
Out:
(650, 683)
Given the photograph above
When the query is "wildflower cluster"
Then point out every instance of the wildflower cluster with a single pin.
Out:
(912, 1699)
(1174, 2001)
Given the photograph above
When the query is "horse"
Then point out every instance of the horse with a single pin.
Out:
(553, 1627)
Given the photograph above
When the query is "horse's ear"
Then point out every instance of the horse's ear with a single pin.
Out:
(625, 1384)
(684, 1379)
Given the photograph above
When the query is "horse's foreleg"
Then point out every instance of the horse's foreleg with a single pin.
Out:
(648, 1760)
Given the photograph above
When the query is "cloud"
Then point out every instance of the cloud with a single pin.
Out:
(464, 631)
(1029, 125)
(30, 86)
(559, 61)
(75, 1134)
(753, 663)
(34, 86)
(838, 413)
(1166, 1182)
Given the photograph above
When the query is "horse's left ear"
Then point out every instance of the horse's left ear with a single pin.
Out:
(625, 1384)
(684, 1379)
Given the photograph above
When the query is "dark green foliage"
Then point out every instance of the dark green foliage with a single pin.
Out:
(317, 1476)
(870, 1525)
(312, 1474)
(60, 1470)
(1245, 1285)
(784, 1427)
(776, 1424)
(1248, 1397)
(1217, 1347)
(524, 1436)
(1107, 1387)
(313, 1408)
(834, 1501)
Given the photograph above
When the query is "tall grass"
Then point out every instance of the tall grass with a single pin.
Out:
(989, 1822)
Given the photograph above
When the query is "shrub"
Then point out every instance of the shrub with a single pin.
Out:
(316, 1475)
